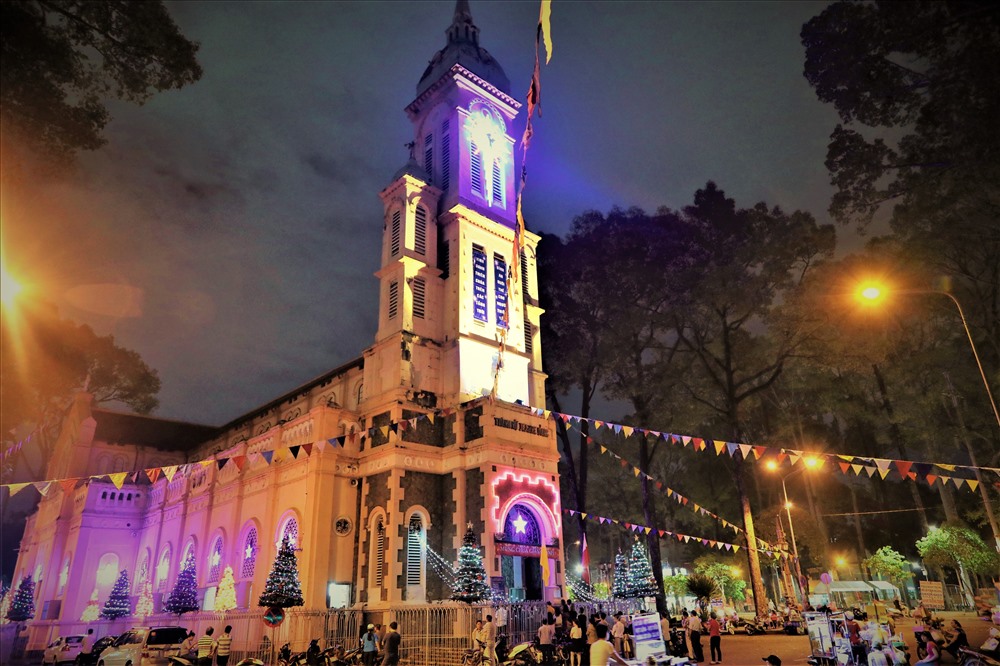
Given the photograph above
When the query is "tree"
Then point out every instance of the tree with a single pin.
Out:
(184, 597)
(639, 582)
(225, 595)
(470, 582)
(45, 359)
(722, 572)
(63, 58)
(675, 586)
(118, 604)
(282, 588)
(619, 587)
(144, 605)
(958, 547)
(701, 587)
(22, 608)
(889, 564)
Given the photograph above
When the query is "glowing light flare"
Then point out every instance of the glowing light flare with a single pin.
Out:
(788, 505)
(771, 465)
(525, 481)
(10, 286)
(841, 562)
(811, 462)
(870, 293)
(519, 524)
(487, 133)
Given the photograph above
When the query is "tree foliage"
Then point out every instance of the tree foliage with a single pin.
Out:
(888, 563)
(63, 58)
(957, 546)
(723, 572)
(702, 588)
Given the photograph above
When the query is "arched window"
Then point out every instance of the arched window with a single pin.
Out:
(249, 555)
(289, 526)
(521, 526)
(64, 576)
(215, 560)
(376, 559)
(190, 552)
(416, 548)
(142, 573)
(360, 393)
(163, 569)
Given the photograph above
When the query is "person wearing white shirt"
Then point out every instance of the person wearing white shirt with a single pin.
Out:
(602, 652)
(618, 632)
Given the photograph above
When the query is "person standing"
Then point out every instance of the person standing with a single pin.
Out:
(369, 646)
(714, 639)
(223, 647)
(665, 631)
(546, 634)
(86, 648)
(490, 633)
(858, 648)
(603, 652)
(694, 626)
(577, 641)
(618, 632)
(206, 648)
(392, 641)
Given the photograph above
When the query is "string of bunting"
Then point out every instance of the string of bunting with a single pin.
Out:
(667, 534)
(676, 496)
(847, 464)
(240, 461)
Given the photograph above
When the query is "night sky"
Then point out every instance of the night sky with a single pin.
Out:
(229, 231)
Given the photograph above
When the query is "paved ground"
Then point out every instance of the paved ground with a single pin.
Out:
(743, 650)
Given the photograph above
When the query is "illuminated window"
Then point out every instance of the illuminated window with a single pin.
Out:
(521, 526)
(478, 283)
(360, 393)
(163, 569)
(188, 551)
(143, 572)
(393, 299)
(396, 235)
(215, 560)
(419, 297)
(500, 289)
(420, 230)
(249, 554)
(415, 540)
(63, 577)
(376, 559)
(107, 570)
(290, 528)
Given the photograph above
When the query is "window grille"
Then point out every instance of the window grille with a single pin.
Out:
(379, 562)
(476, 170)
(420, 231)
(393, 299)
(429, 156)
(249, 554)
(419, 297)
(396, 233)
(415, 552)
(498, 192)
(163, 570)
(445, 157)
(291, 531)
(479, 283)
(500, 289)
(529, 340)
(524, 276)
(215, 561)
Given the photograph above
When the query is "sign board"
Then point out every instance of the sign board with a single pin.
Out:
(647, 635)
(274, 616)
(478, 284)
(499, 587)
(932, 594)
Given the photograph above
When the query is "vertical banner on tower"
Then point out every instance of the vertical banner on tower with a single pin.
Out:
(478, 284)
(500, 287)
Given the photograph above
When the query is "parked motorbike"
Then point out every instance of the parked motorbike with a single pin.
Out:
(678, 647)
(936, 635)
(987, 654)
(473, 656)
(250, 661)
(755, 626)
(524, 654)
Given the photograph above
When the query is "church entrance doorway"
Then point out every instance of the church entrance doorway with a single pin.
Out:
(520, 549)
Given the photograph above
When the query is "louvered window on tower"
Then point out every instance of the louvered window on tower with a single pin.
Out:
(393, 299)
(477, 170)
(529, 342)
(445, 156)
(397, 227)
(429, 156)
(420, 231)
(379, 554)
(524, 276)
(419, 297)
(498, 193)
(415, 552)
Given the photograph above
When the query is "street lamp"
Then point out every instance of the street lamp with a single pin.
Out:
(809, 463)
(872, 293)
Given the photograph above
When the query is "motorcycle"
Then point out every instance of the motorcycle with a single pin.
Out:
(755, 626)
(988, 653)
(936, 635)
(474, 656)
(524, 654)
(678, 646)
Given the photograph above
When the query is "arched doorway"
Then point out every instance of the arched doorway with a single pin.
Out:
(520, 548)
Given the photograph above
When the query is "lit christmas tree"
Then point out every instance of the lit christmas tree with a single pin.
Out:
(184, 597)
(225, 596)
(619, 585)
(144, 605)
(470, 581)
(639, 581)
(5, 597)
(118, 604)
(22, 607)
(282, 588)
(92, 613)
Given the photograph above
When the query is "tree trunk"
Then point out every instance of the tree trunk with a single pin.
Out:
(862, 549)
(753, 559)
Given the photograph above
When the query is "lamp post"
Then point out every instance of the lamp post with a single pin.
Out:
(873, 293)
(809, 464)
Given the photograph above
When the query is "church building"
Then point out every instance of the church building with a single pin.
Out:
(376, 467)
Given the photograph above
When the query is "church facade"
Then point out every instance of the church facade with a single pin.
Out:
(375, 469)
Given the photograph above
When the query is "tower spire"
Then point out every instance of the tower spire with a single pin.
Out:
(462, 28)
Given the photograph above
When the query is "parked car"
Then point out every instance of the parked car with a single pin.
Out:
(144, 646)
(62, 650)
(100, 645)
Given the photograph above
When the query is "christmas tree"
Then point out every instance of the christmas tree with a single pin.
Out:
(5, 596)
(225, 596)
(118, 604)
(470, 582)
(619, 586)
(92, 612)
(23, 605)
(282, 588)
(184, 597)
(144, 606)
(639, 581)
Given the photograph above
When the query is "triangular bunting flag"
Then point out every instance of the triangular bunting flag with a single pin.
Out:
(69, 485)
(294, 450)
(844, 467)
(15, 488)
(307, 449)
(883, 473)
(636, 470)
(118, 478)
(43, 487)
(758, 451)
(745, 450)
(973, 484)
(239, 461)
(857, 469)
(903, 467)
(793, 458)
(930, 479)
(268, 456)
(169, 472)
(627, 431)
(153, 474)
(221, 462)
(731, 448)
(719, 446)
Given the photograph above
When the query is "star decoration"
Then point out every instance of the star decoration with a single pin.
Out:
(215, 559)
(519, 524)
(249, 552)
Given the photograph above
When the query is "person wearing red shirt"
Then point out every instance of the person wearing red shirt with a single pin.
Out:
(714, 639)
